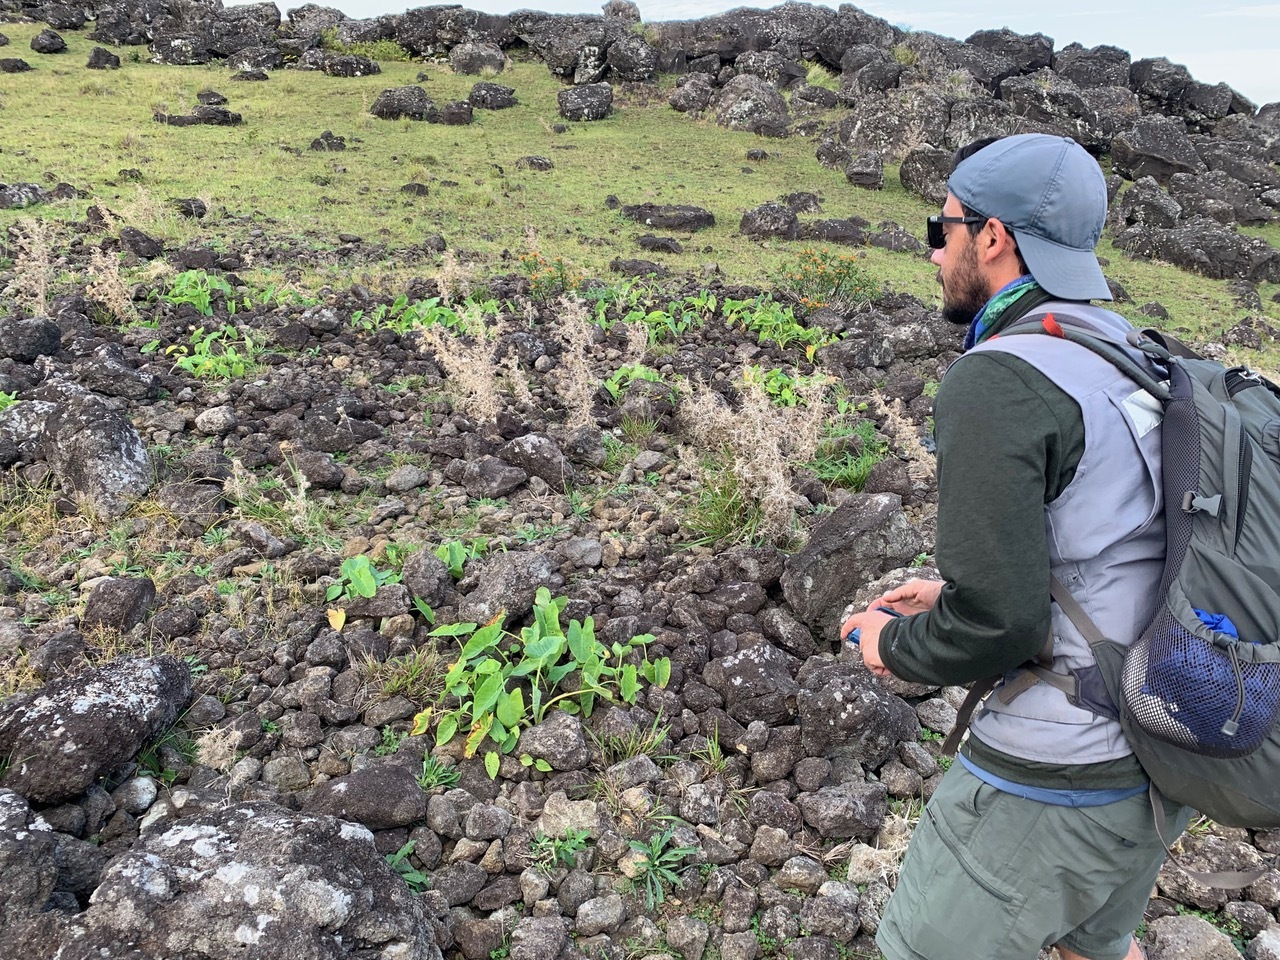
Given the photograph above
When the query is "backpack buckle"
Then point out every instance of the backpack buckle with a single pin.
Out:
(1192, 502)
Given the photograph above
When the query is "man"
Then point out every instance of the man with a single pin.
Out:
(1041, 833)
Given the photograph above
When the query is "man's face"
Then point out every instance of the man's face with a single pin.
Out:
(964, 291)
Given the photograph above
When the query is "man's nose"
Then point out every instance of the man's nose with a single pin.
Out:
(935, 257)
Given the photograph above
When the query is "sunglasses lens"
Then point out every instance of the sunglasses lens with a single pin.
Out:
(936, 238)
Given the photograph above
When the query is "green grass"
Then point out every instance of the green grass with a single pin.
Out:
(84, 126)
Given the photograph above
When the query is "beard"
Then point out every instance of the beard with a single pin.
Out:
(965, 296)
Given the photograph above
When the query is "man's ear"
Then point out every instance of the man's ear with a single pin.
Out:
(995, 241)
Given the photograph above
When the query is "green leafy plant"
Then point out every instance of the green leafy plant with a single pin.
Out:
(496, 671)
(220, 354)
(401, 864)
(437, 773)
(551, 852)
(773, 322)
(7, 400)
(391, 739)
(457, 553)
(402, 317)
(358, 577)
(617, 383)
(660, 865)
(549, 279)
(195, 287)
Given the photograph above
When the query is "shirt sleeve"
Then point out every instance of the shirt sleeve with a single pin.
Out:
(1008, 442)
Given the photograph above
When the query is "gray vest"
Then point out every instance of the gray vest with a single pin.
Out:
(1106, 538)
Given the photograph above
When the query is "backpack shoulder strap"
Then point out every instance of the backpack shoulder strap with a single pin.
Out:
(1066, 325)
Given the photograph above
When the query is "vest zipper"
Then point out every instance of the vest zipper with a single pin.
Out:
(1242, 493)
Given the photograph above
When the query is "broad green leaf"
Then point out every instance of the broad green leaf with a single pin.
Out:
(640, 639)
(569, 707)
(452, 630)
(487, 696)
(482, 639)
(556, 674)
(448, 727)
(526, 760)
(581, 640)
(513, 738)
(542, 765)
(486, 667)
(628, 684)
(359, 571)
(510, 708)
(545, 648)
(663, 669)
(491, 763)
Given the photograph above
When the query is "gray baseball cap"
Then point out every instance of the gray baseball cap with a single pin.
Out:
(1052, 195)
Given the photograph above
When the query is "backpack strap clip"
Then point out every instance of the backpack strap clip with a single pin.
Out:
(1192, 502)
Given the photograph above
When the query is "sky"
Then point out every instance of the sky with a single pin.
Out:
(1238, 43)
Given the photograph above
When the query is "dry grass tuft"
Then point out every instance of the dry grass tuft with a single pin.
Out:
(218, 748)
(881, 862)
(108, 287)
(454, 279)
(921, 464)
(416, 676)
(577, 385)
(753, 448)
(473, 375)
(33, 267)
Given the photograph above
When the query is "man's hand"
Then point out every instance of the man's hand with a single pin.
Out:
(869, 623)
(914, 596)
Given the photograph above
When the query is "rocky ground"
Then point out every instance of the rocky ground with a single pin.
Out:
(241, 525)
(176, 549)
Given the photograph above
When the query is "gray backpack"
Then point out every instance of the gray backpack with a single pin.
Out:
(1198, 694)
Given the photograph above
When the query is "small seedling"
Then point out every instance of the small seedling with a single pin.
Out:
(437, 773)
(399, 862)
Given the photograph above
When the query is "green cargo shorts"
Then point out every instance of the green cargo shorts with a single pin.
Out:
(994, 876)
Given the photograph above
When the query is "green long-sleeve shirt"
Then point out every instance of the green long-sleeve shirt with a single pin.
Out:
(1009, 441)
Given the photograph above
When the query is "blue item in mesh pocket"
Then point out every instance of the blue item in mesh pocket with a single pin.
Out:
(1218, 621)
(1187, 676)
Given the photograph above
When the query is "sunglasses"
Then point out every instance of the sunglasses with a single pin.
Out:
(935, 237)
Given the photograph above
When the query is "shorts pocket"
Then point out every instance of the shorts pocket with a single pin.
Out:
(963, 840)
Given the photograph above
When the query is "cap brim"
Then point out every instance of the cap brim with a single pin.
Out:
(1062, 271)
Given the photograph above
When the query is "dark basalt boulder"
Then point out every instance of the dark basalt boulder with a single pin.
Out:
(693, 93)
(592, 101)
(473, 59)
(632, 60)
(750, 104)
(1155, 147)
(769, 220)
(256, 58)
(349, 65)
(103, 718)
(180, 50)
(17, 195)
(1205, 247)
(102, 59)
(1029, 52)
(1218, 195)
(395, 103)
(61, 16)
(573, 46)
(47, 41)
(670, 217)
(770, 66)
(1101, 66)
(492, 96)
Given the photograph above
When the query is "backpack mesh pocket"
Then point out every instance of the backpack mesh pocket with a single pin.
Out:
(1183, 689)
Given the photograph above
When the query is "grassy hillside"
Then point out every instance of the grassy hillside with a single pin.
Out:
(263, 185)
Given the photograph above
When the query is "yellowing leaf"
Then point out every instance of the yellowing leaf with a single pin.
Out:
(421, 722)
(337, 618)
